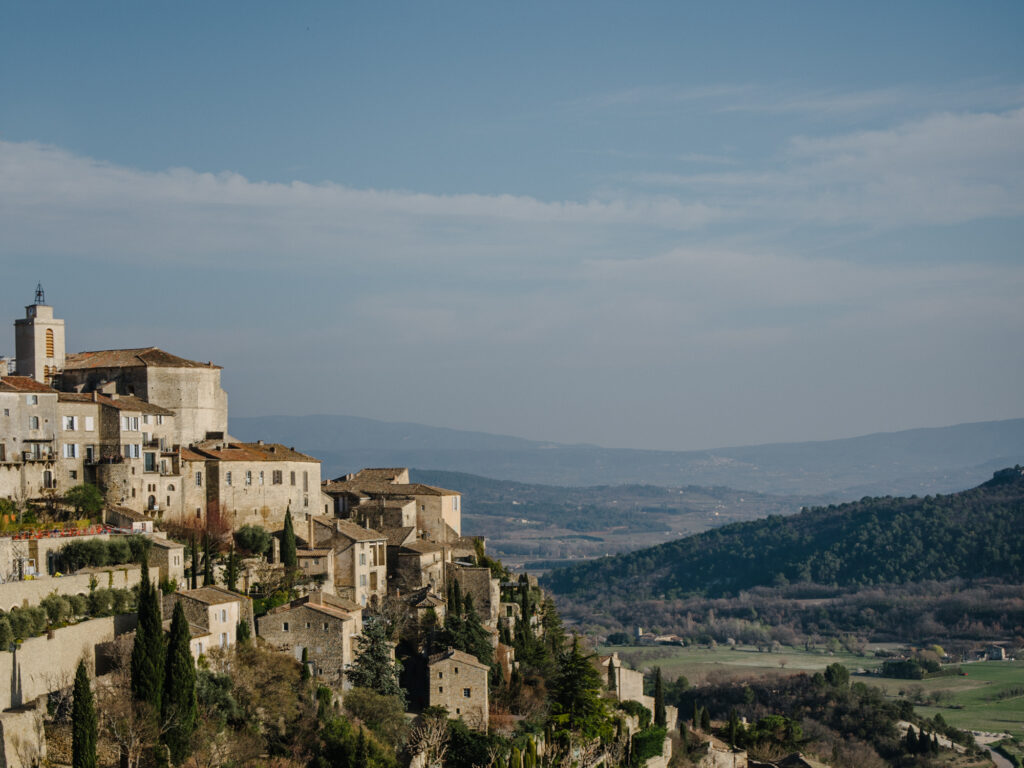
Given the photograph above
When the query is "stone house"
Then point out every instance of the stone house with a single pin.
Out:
(256, 483)
(458, 682)
(438, 511)
(485, 589)
(214, 613)
(318, 564)
(324, 625)
(360, 557)
(417, 564)
(169, 556)
(29, 429)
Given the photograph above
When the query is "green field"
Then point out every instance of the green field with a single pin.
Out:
(979, 701)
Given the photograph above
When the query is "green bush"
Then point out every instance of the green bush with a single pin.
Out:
(100, 601)
(639, 711)
(253, 538)
(57, 608)
(79, 605)
(647, 744)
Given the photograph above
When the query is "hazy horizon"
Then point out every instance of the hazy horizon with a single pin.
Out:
(655, 226)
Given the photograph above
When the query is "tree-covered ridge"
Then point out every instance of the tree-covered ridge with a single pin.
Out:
(972, 534)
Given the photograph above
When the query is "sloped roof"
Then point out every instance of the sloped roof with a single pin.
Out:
(212, 595)
(421, 547)
(24, 384)
(150, 357)
(378, 474)
(460, 656)
(251, 452)
(370, 488)
(398, 536)
(356, 532)
(121, 402)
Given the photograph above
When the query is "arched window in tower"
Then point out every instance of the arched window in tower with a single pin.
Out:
(49, 342)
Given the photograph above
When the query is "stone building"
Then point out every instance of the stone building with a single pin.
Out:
(39, 341)
(458, 682)
(485, 589)
(324, 625)
(214, 614)
(360, 557)
(28, 438)
(256, 483)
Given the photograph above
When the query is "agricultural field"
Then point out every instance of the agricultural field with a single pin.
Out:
(701, 664)
(989, 698)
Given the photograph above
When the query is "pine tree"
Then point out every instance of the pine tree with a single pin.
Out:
(83, 722)
(373, 667)
(179, 697)
(289, 555)
(659, 699)
(576, 691)
(148, 651)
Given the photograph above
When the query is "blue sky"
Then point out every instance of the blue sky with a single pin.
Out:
(649, 225)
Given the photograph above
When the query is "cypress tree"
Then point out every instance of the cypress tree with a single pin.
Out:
(612, 685)
(477, 641)
(83, 722)
(659, 699)
(705, 720)
(304, 675)
(195, 562)
(179, 697)
(289, 556)
(148, 651)
(696, 716)
(911, 740)
(207, 560)
(231, 571)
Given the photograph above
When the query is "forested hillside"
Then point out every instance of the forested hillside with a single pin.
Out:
(972, 534)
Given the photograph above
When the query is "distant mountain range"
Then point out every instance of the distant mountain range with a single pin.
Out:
(973, 534)
(917, 461)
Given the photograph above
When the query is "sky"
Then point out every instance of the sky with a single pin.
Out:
(647, 225)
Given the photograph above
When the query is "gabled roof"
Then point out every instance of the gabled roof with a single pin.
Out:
(212, 595)
(399, 536)
(150, 357)
(23, 384)
(421, 547)
(460, 656)
(377, 474)
(356, 532)
(330, 605)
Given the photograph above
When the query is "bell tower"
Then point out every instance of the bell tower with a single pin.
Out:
(39, 341)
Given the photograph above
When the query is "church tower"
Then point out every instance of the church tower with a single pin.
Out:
(39, 341)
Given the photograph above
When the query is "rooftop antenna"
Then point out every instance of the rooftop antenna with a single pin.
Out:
(40, 296)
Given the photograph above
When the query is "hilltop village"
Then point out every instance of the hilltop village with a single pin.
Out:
(118, 473)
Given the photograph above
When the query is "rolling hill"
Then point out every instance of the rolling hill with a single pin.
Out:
(972, 534)
(918, 461)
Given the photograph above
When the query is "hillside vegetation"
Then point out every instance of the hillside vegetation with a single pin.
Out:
(972, 534)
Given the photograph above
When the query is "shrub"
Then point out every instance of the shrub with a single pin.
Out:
(100, 601)
(647, 744)
(6, 635)
(79, 605)
(57, 609)
(123, 601)
(637, 710)
(253, 538)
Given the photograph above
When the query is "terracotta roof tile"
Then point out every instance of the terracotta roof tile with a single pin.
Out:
(25, 384)
(151, 357)
(251, 452)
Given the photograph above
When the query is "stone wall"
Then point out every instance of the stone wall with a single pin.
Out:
(486, 591)
(31, 592)
(22, 737)
(47, 663)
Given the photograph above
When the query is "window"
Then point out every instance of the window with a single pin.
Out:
(466, 693)
(199, 479)
(150, 465)
(199, 646)
(159, 419)
(7, 411)
(261, 477)
(327, 627)
(32, 399)
(278, 477)
(248, 477)
(132, 451)
(284, 627)
(70, 450)
(145, 418)
(90, 424)
(308, 625)
(362, 558)
(223, 614)
(456, 670)
(70, 423)
(362, 580)
(130, 423)
(223, 639)
(440, 675)
(49, 342)
(293, 478)
(72, 474)
(227, 478)
(440, 689)
(305, 482)
(33, 422)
